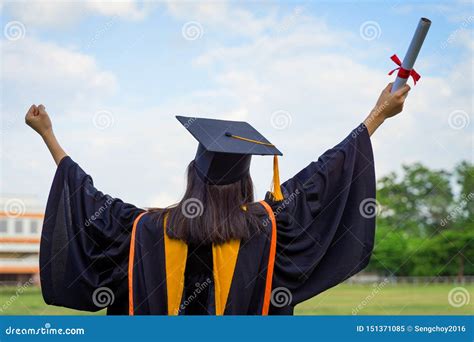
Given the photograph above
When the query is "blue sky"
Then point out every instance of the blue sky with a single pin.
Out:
(113, 75)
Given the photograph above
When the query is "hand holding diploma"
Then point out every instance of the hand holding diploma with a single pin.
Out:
(389, 104)
(405, 68)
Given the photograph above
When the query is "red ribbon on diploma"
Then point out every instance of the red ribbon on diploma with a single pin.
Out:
(404, 73)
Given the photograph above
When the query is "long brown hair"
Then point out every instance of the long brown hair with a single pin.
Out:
(213, 213)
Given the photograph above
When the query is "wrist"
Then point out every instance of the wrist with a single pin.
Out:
(373, 121)
(47, 133)
(379, 115)
(375, 117)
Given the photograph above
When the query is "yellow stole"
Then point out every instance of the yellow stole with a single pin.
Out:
(224, 260)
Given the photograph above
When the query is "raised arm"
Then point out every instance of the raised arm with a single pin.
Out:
(85, 239)
(326, 224)
(38, 119)
(387, 105)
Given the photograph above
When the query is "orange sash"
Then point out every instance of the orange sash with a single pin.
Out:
(224, 262)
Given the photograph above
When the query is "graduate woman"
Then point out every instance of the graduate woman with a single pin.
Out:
(217, 251)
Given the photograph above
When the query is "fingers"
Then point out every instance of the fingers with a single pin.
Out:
(402, 92)
(388, 88)
(36, 110)
(41, 109)
(32, 110)
(30, 113)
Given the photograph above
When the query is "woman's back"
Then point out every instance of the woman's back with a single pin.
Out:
(97, 251)
(93, 244)
(198, 281)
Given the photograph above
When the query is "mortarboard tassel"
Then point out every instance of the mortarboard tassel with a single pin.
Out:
(276, 188)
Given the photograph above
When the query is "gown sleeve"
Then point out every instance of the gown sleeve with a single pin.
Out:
(326, 224)
(84, 243)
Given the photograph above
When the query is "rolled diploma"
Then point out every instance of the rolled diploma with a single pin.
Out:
(413, 50)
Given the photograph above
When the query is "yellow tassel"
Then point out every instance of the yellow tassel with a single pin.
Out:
(276, 188)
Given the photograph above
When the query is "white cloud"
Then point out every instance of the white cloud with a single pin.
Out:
(221, 16)
(300, 64)
(40, 13)
(126, 9)
(72, 86)
(34, 70)
(455, 11)
(316, 73)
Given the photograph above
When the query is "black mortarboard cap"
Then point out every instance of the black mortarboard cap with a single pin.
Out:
(225, 150)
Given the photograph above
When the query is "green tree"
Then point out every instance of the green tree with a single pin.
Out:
(418, 202)
(422, 228)
(465, 179)
(389, 256)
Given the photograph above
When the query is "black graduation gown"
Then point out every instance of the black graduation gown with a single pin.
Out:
(97, 251)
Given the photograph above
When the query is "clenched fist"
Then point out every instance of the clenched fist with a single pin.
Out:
(38, 119)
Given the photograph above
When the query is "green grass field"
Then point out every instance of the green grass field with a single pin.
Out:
(390, 300)
(342, 300)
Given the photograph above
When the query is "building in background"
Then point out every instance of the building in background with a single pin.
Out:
(21, 220)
